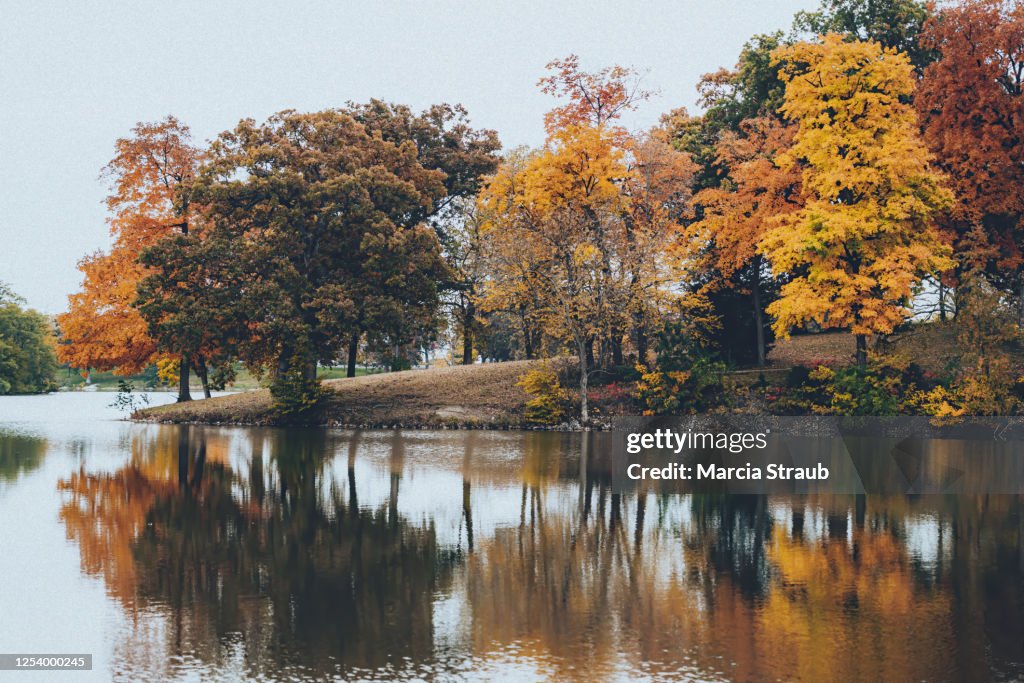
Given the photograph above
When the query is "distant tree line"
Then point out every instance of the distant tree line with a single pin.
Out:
(28, 363)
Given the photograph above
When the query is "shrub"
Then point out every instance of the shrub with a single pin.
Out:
(666, 392)
(549, 401)
(888, 386)
(985, 388)
(686, 378)
(614, 397)
(798, 376)
(871, 391)
(295, 393)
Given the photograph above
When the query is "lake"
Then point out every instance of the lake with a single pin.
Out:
(207, 553)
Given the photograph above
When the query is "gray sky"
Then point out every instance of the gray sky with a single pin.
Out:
(74, 76)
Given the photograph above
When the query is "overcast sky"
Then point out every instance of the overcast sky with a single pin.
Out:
(74, 76)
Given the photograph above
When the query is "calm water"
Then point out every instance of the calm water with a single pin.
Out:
(233, 554)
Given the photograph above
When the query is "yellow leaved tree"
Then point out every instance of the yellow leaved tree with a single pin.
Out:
(576, 232)
(865, 237)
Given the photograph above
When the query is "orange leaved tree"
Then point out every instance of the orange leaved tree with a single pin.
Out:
(149, 200)
(971, 104)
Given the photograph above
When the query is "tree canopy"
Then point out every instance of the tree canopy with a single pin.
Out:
(28, 364)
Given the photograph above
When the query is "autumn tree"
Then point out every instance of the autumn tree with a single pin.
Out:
(736, 215)
(575, 225)
(149, 174)
(445, 141)
(865, 237)
(325, 219)
(591, 98)
(464, 253)
(658, 189)
(735, 142)
(971, 105)
(193, 298)
(562, 208)
(751, 89)
(511, 286)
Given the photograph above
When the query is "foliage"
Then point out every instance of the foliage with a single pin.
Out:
(323, 220)
(550, 403)
(295, 393)
(686, 378)
(895, 24)
(593, 98)
(749, 91)
(444, 140)
(886, 386)
(735, 217)
(102, 329)
(986, 382)
(859, 391)
(979, 140)
(864, 238)
(28, 364)
(576, 232)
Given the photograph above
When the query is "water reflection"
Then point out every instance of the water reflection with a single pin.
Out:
(305, 554)
(19, 454)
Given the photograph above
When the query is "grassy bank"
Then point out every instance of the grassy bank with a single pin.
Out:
(462, 396)
(486, 396)
(483, 396)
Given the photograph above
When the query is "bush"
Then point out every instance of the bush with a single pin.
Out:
(871, 391)
(886, 387)
(550, 402)
(296, 394)
(986, 388)
(687, 377)
(674, 392)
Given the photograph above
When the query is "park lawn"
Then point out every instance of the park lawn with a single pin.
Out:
(486, 395)
(460, 396)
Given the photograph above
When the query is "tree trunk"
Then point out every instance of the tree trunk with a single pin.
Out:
(528, 342)
(204, 375)
(862, 351)
(467, 336)
(942, 301)
(1020, 305)
(758, 321)
(590, 352)
(353, 350)
(641, 339)
(585, 351)
(616, 342)
(183, 377)
(467, 510)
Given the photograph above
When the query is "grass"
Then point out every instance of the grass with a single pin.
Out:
(487, 396)
(461, 396)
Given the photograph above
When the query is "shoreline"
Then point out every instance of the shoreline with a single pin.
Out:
(483, 396)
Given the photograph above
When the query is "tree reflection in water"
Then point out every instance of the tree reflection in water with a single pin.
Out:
(314, 553)
(19, 454)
